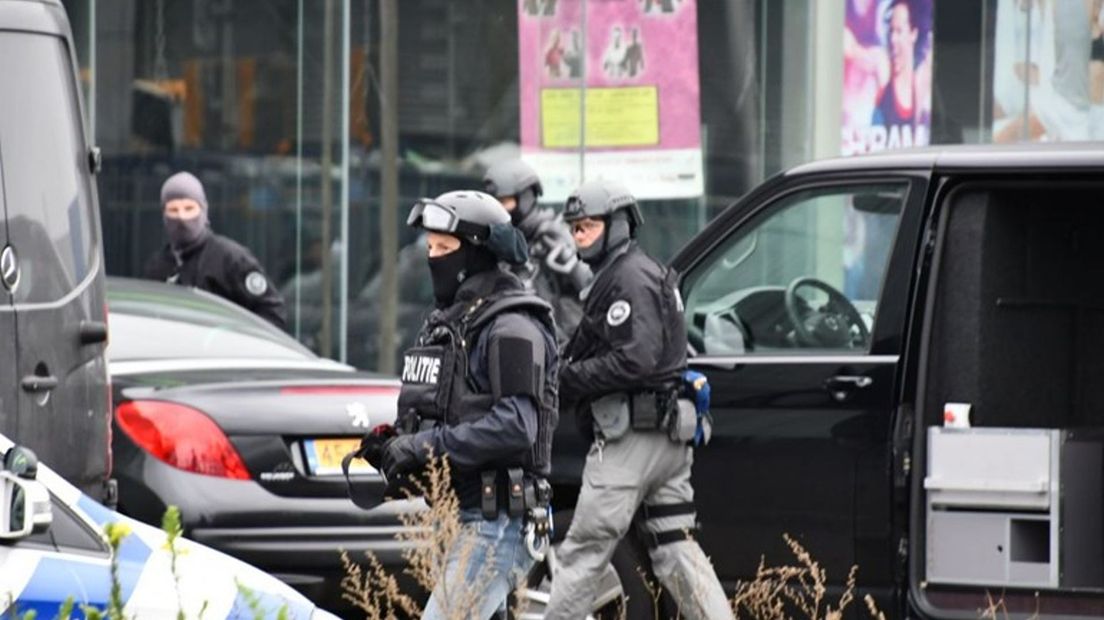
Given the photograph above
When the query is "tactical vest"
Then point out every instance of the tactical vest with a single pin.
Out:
(437, 384)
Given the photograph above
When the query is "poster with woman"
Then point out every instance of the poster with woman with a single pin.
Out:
(887, 73)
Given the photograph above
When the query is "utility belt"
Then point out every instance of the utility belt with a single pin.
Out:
(528, 498)
(644, 411)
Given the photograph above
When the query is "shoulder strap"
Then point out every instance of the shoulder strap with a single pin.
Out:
(479, 316)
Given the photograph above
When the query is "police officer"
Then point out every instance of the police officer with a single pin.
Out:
(622, 369)
(196, 256)
(480, 386)
(553, 271)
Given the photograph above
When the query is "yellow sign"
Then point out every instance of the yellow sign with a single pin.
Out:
(627, 116)
(324, 456)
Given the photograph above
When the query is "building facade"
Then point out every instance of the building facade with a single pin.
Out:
(315, 124)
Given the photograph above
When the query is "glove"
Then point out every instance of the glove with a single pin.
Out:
(400, 455)
(371, 446)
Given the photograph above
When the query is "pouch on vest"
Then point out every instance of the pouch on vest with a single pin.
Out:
(696, 390)
(427, 378)
(611, 415)
(682, 424)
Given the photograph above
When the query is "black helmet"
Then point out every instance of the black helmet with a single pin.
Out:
(599, 200)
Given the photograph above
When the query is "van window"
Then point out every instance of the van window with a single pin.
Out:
(43, 153)
(804, 276)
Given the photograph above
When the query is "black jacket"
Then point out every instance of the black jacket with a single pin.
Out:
(491, 433)
(546, 232)
(221, 266)
(632, 336)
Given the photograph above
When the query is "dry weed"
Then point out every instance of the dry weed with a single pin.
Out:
(778, 592)
(998, 610)
(433, 533)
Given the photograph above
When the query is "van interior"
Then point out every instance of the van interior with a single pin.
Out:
(1010, 495)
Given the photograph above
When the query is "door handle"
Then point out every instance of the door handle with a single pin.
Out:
(842, 386)
(92, 332)
(36, 384)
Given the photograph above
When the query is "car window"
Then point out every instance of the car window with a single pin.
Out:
(51, 223)
(67, 533)
(804, 276)
(158, 321)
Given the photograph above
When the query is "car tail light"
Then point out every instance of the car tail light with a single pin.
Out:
(182, 437)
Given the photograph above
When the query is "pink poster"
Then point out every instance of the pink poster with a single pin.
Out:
(621, 79)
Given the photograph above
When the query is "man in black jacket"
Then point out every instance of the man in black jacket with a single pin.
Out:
(621, 373)
(196, 256)
(553, 271)
(479, 387)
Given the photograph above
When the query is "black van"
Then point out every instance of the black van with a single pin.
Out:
(906, 354)
(54, 395)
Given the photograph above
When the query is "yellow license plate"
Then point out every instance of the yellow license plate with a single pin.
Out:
(324, 457)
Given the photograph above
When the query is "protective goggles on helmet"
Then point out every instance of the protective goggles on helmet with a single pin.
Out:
(434, 216)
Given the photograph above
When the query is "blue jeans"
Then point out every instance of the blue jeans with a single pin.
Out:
(497, 559)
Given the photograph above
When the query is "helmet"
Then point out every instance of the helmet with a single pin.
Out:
(511, 178)
(466, 214)
(599, 200)
(608, 201)
(474, 217)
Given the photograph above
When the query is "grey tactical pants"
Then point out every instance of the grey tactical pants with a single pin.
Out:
(640, 467)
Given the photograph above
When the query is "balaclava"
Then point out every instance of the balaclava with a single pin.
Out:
(618, 231)
(184, 233)
(450, 271)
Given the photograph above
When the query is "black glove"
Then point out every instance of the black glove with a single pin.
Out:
(371, 446)
(400, 455)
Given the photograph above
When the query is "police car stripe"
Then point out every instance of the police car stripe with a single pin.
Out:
(57, 578)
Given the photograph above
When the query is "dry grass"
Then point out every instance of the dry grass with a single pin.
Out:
(795, 591)
(995, 609)
(433, 533)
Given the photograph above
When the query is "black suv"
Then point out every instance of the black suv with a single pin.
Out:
(843, 312)
(54, 396)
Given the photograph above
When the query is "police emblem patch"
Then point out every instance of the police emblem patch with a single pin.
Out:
(618, 312)
(256, 283)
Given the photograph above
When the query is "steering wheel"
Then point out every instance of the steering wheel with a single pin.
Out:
(830, 326)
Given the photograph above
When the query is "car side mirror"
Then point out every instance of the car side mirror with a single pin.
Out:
(24, 507)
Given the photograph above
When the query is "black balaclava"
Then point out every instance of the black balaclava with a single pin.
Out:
(450, 271)
(526, 201)
(618, 231)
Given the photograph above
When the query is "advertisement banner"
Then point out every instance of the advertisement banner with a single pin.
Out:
(887, 75)
(1048, 71)
(621, 79)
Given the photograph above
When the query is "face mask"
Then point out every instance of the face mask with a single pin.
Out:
(182, 233)
(448, 272)
(617, 232)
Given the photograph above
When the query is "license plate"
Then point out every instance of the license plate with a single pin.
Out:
(324, 457)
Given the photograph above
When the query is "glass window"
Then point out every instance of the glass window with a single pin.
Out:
(804, 276)
(42, 146)
(67, 534)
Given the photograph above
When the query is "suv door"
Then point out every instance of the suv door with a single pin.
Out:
(54, 231)
(792, 318)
